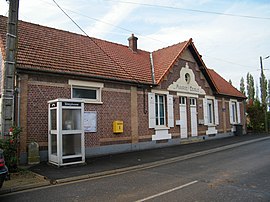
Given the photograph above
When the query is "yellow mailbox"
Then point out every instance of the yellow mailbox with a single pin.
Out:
(118, 127)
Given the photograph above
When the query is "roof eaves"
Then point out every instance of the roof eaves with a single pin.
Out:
(25, 69)
(212, 81)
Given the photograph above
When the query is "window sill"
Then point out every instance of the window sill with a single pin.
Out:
(161, 128)
(211, 125)
(93, 102)
(89, 101)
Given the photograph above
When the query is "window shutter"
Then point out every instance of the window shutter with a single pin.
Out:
(216, 112)
(231, 112)
(238, 112)
(151, 110)
(170, 110)
(205, 115)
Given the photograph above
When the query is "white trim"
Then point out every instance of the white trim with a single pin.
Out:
(161, 134)
(210, 97)
(85, 83)
(187, 95)
(170, 111)
(216, 121)
(163, 92)
(238, 112)
(151, 110)
(205, 113)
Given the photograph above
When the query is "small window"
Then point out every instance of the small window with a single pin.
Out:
(90, 92)
(187, 78)
(210, 111)
(192, 102)
(182, 101)
(84, 93)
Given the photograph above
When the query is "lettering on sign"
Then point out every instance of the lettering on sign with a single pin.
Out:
(71, 104)
(186, 83)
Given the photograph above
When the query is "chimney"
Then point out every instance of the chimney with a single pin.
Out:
(133, 43)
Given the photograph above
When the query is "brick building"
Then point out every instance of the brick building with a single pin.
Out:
(162, 97)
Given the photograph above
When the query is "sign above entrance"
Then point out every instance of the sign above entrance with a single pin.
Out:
(186, 83)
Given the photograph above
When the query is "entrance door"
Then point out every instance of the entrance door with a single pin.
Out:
(183, 117)
(193, 117)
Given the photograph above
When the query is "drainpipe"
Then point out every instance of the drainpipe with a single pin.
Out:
(152, 68)
(18, 91)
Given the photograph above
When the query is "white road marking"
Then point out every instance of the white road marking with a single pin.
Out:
(168, 191)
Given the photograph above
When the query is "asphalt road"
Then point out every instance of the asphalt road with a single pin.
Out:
(238, 174)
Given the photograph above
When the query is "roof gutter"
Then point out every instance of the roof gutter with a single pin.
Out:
(29, 70)
(152, 68)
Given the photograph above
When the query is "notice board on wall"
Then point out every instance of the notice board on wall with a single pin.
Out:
(90, 121)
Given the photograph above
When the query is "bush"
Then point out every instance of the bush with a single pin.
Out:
(10, 144)
(256, 117)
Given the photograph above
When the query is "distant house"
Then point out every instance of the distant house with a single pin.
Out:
(162, 97)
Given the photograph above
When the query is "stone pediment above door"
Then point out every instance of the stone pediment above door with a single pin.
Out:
(186, 83)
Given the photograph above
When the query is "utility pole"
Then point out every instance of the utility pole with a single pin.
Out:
(9, 68)
(263, 95)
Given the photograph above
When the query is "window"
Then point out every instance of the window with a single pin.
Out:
(210, 111)
(182, 100)
(192, 102)
(187, 78)
(234, 112)
(90, 92)
(85, 93)
(160, 110)
(235, 116)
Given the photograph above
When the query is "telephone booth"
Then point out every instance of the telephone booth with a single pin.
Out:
(65, 132)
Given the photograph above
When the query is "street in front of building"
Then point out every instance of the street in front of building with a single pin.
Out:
(238, 174)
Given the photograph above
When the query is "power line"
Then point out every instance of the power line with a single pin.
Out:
(191, 10)
(132, 31)
(110, 24)
(95, 42)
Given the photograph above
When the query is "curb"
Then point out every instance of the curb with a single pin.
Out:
(25, 187)
(129, 169)
(156, 163)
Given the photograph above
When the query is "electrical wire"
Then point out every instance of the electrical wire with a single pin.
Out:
(132, 31)
(191, 10)
(96, 43)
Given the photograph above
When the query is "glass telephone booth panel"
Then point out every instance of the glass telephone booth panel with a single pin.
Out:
(66, 133)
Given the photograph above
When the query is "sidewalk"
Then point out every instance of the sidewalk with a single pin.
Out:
(98, 166)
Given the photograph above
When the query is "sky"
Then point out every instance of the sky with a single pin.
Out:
(230, 35)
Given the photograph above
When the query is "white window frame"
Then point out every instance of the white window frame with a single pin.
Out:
(168, 107)
(192, 102)
(87, 85)
(182, 100)
(214, 111)
(158, 110)
(234, 112)
(210, 111)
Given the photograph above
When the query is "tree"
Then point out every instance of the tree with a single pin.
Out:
(256, 120)
(242, 86)
(250, 87)
(263, 88)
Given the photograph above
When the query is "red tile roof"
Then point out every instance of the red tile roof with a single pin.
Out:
(48, 49)
(51, 50)
(222, 86)
(165, 58)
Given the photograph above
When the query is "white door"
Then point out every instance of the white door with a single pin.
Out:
(183, 117)
(193, 117)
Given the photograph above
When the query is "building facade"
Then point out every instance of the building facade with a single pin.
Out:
(162, 98)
